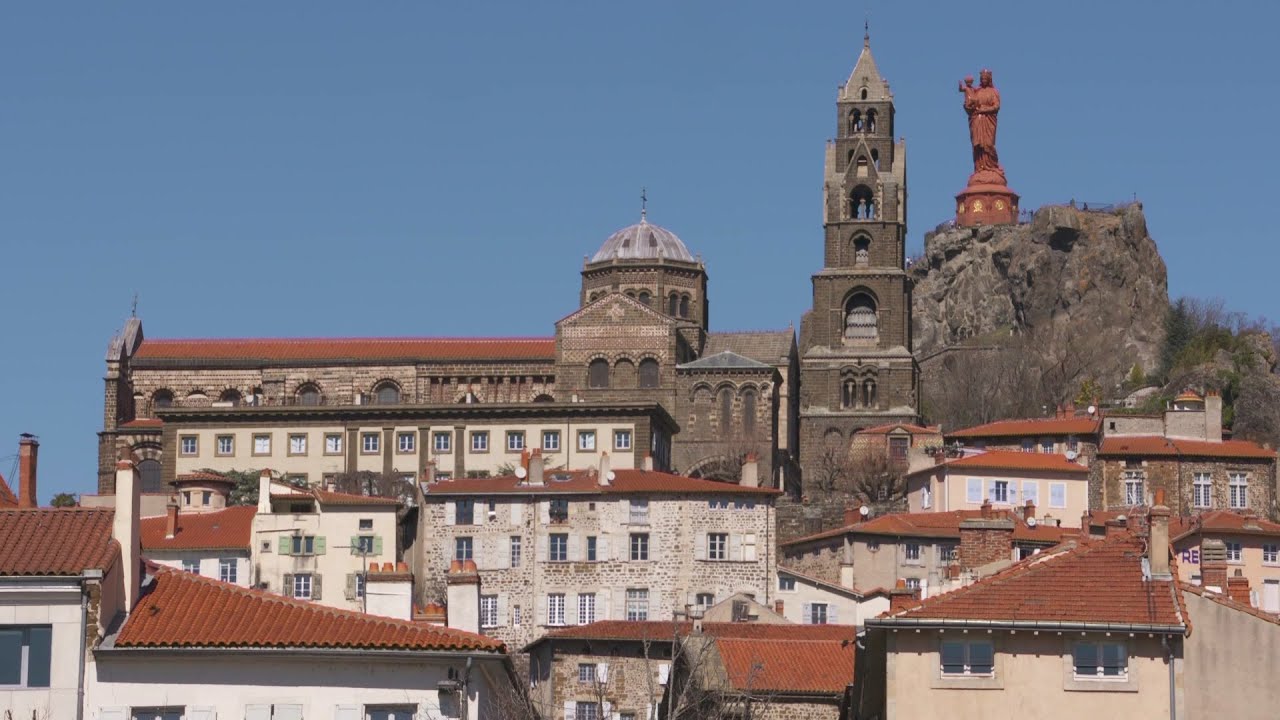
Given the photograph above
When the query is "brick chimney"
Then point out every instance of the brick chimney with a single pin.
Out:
(986, 539)
(171, 518)
(1213, 565)
(750, 471)
(28, 453)
(1029, 510)
(1116, 526)
(535, 468)
(1238, 588)
(463, 596)
(902, 597)
(779, 606)
(1158, 547)
(852, 516)
(125, 530)
(429, 471)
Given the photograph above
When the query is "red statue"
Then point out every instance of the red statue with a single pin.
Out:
(987, 200)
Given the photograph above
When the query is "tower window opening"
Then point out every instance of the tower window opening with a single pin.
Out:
(875, 158)
(849, 394)
(864, 93)
(673, 304)
(684, 306)
(861, 250)
(648, 373)
(871, 120)
(863, 166)
(862, 204)
(855, 121)
(861, 322)
(869, 393)
(643, 296)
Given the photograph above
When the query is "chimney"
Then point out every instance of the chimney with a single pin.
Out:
(124, 529)
(264, 493)
(605, 472)
(852, 516)
(902, 597)
(389, 591)
(1238, 588)
(1213, 565)
(750, 471)
(463, 601)
(779, 606)
(429, 471)
(1029, 510)
(1116, 527)
(1071, 409)
(535, 467)
(1158, 547)
(171, 517)
(28, 452)
(985, 509)
(1213, 416)
(648, 462)
(985, 540)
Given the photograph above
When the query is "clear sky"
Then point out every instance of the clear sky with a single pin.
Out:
(440, 168)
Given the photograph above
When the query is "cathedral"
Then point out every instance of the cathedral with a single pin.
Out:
(634, 374)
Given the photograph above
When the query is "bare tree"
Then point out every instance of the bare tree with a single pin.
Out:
(364, 482)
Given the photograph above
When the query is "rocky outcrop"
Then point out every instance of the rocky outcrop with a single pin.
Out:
(1070, 276)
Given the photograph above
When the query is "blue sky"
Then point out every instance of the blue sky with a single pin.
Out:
(303, 169)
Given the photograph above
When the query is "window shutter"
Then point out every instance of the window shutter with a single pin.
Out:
(351, 586)
(607, 707)
(806, 613)
(831, 614)
(749, 547)
(571, 609)
(568, 709)
(377, 544)
(450, 513)
(544, 511)
(620, 600)
(542, 548)
(315, 586)
(288, 585)
(118, 714)
(735, 547)
(320, 545)
(504, 555)
(602, 606)
(257, 712)
(664, 672)
(624, 511)
(347, 712)
(575, 548)
(201, 713)
(286, 544)
(602, 672)
(700, 547)
(541, 614)
(602, 548)
(654, 547)
(354, 544)
(287, 712)
(517, 513)
(502, 610)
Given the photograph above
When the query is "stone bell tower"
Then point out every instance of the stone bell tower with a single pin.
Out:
(857, 369)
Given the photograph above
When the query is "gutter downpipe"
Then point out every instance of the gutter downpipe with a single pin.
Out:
(466, 689)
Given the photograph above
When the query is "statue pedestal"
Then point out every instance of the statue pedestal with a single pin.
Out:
(986, 204)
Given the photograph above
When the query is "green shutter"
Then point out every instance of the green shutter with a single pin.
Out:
(286, 544)
(354, 544)
(320, 545)
(287, 590)
(377, 545)
(315, 586)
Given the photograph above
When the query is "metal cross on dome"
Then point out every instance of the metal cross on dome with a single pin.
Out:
(644, 204)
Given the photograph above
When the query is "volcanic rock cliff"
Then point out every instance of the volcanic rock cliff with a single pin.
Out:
(1070, 276)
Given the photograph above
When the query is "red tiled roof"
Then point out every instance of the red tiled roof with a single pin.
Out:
(804, 667)
(1013, 460)
(935, 525)
(143, 423)
(231, 528)
(56, 541)
(587, 482)
(666, 630)
(1222, 521)
(1098, 581)
(181, 609)
(202, 476)
(314, 349)
(336, 498)
(7, 498)
(1033, 426)
(908, 427)
(1226, 601)
(1162, 446)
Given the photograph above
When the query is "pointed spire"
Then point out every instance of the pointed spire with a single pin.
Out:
(865, 73)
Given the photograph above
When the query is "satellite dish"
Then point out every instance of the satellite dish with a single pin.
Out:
(1072, 454)
(1093, 409)
(864, 511)
(612, 476)
(1031, 522)
(521, 472)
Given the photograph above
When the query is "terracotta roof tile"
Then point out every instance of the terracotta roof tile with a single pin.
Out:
(7, 498)
(203, 476)
(586, 482)
(180, 609)
(661, 629)
(1031, 426)
(231, 528)
(336, 498)
(348, 349)
(143, 423)
(56, 541)
(788, 666)
(1222, 522)
(934, 525)
(1014, 460)
(1098, 581)
(1156, 445)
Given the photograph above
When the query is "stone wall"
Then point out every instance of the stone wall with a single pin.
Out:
(1176, 476)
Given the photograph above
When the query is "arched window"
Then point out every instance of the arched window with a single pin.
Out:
(860, 318)
(848, 393)
(748, 412)
(861, 250)
(631, 293)
(544, 398)
(162, 399)
(643, 296)
(598, 373)
(308, 394)
(869, 393)
(855, 121)
(149, 475)
(387, 393)
(862, 204)
(673, 304)
(230, 396)
(862, 166)
(684, 306)
(864, 93)
(871, 121)
(726, 412)
(648, 373)
(875, 158)
(624, 374)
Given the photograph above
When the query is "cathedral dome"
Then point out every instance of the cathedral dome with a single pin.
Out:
(643, 241)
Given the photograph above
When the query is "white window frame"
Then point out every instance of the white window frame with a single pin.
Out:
(639, 547)
(262, 444)
(638, 512)
(994, 494)
(1238, 490)
(302, 586)
(516, 549)
(1235, 552)
(190, 445)
(333, 444)
(1100, 669)
(558, 547)
(515, 440)
(705, 600)
(587, 440)
(1270, 554)
(1030, 492)
(488, 611)
(191, 566)
(551, 440)
(718, 546)
(464, 548)
(555, 609)
(586, 673)
(621, 439)
(1202, 490)
(479, 441)
(442, 442)
(229, 570)
(225, 445)
(297, 444)
(818, 614)
(586, 608)
(786, 584)
(370, 443)
(637, 604)
(911, 552)
(406, 441)
(1135, 490)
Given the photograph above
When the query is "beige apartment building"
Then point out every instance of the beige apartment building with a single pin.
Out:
(1052, 483)
(560, 548)
(1245, 549)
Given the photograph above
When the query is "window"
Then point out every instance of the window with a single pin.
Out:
(973, 491)
(186, 497)
(190, 565)
(648, 370)
(463, 548)
(621, 439)
(516, 548)
(558, 547)
(912, 552)
(1238, 485)
(913, 583)
(586, 710)
(488, 611)
(190, 445)
(598, 373)
(366, 523)
(332, 444)
(639, 546)
(227, 568)
(947, 553)
(704, 600)
(261, 444)
(300, 544)
(999, 492)
(558, 510)
(551, 440)
(1057, 495)
(357, 585)
(308, 395)
(586, 608)
(1100, 660)
(480, 441)
(364, 545)
(172, 712)
(1133, 494)
(464, 512)
(786, 584)
(592, 545)
(860, 321)
(555, 609)
(442, 442)
(1046, 446)
(206, 497)
(637, 604)
(297, 444)
(587, 440)
(224, 445)
(1233, 552)
(390, 712)
(302, 586)
(162, 399)
(517, 615)
(967, 658)
(25, 654)
(586, 672)
(717, 546)
(1202, 490)
(898, 449)
(1271, 553)
(639, 512)
(370, 442)
(406, 442)
(748, 412)
(515, 440)
(817, 614)
(387, 393)
(1028, 445)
